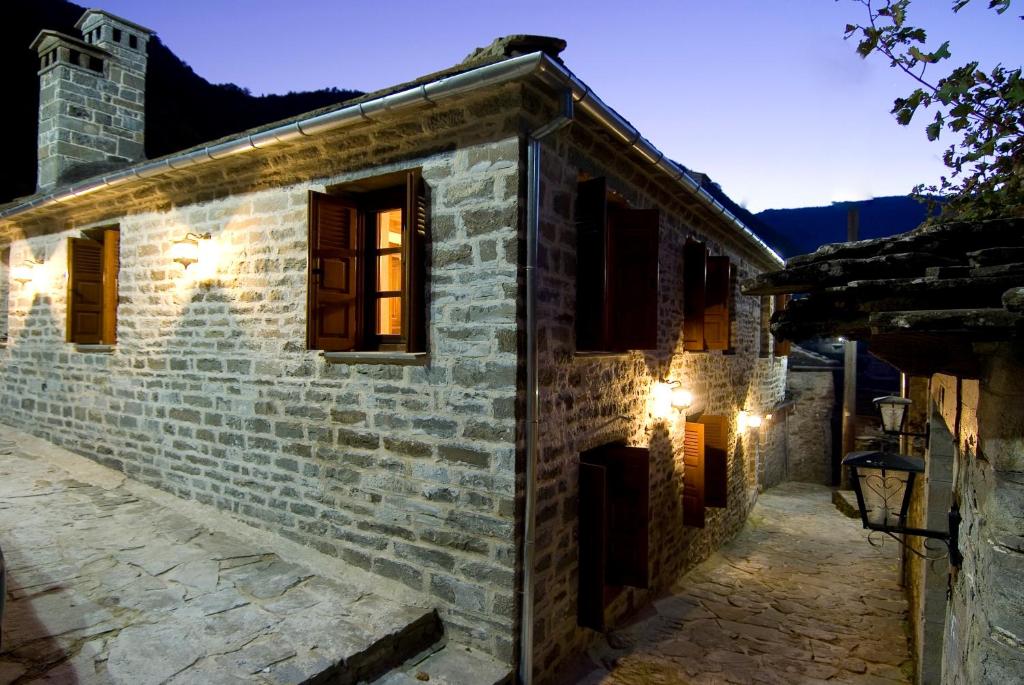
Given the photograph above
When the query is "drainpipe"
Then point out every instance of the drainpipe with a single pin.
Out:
(533, 200)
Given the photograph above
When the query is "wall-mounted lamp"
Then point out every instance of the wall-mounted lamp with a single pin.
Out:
(884, 483)
(894, 415)
(186, 250)
(669, 396)
(25, 272)
(749, 421)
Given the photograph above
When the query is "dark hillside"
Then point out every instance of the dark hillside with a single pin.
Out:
(182, 108)
(808, 228)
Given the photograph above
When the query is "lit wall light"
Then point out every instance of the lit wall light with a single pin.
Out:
(186, 250)
(25, 272)
(749, 421)
(668, 397)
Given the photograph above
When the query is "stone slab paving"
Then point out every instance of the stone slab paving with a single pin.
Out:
(799, 596)
(109, 585)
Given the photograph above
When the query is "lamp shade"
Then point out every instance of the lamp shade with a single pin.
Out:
(185, 251)
(883, 483)
(681, 398)
(893, 410)
(25, 272)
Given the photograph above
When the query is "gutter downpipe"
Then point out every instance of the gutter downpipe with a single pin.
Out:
(533, 199)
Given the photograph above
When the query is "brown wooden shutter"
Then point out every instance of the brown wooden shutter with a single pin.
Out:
(716, 461)
(632, 279)
(591, 249)
(333, 273)
(716, 304)
(629, 515)
(414, 246)
(781, 346)
(85, 291)
(111, 267)
(593, 551)
(695, 256)
(693, 475)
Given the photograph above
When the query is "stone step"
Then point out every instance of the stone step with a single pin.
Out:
(846, 503)
(107, 584)
(452, 664)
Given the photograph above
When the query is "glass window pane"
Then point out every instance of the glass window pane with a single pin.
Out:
(389, 228)
(389, 316)
(389, 272)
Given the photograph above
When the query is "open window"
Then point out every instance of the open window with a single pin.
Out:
(366, 273)
(93, 264)
(781, 346)
(616, 272)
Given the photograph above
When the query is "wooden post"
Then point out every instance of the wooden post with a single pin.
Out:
(849, 370)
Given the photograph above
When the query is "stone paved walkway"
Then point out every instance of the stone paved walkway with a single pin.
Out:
(798, 597)
(108, 583)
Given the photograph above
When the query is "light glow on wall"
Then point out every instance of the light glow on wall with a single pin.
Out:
(668, 398)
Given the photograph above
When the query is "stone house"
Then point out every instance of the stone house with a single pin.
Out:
(389, 330)
(944, 304)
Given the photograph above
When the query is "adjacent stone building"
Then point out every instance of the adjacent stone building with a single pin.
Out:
(944, 304)
(389, 330)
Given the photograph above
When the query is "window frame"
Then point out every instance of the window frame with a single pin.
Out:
(368, 198)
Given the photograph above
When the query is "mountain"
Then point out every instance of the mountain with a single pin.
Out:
(804, 229)
(179, 102)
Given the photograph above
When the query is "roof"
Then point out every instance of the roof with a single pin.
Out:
(505, 59)
(923, 299)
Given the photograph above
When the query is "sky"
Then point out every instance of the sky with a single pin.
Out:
(763, 95)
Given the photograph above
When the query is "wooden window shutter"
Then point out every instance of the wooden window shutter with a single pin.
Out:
(593, 550)
(632, 279)
(111, 267)
(695, 256)
(414, 245)
(333, 273)
(716, 460)
(591, 249)
(716, 304)
(781, 346)
(629, 515)
(693, 475)
(85, 291)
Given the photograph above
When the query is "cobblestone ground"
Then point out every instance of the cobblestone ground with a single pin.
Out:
(108, 584)
(798, 597)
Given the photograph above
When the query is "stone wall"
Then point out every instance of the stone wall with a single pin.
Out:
(5, 288)
(403, 469)
(809, 426)
(985, 621)
(583, 395)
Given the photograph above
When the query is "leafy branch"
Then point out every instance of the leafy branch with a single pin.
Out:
(985, 109)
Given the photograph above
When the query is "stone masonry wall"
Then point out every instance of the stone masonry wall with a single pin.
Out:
(403, 469)
(5, 288)
(582, 396)
(809, 427)
(985, 620)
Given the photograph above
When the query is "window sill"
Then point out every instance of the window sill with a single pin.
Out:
(600, 355)
(95, 349)
(375, 357)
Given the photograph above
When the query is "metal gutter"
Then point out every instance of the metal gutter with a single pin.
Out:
(532, 428)
(536, 63)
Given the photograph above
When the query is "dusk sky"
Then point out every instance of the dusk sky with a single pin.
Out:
(765, 96)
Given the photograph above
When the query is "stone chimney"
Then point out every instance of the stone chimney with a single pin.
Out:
(92, 98)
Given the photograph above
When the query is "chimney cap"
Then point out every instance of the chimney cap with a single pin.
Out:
(113, 17)
(47, 38)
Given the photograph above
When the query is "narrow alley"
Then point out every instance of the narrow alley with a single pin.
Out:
(798, 597)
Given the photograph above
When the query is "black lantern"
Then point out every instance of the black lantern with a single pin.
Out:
(894, 414)
(884, 483)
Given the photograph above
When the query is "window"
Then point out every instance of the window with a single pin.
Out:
(366, 276)
(764, 343)
(93, 263)
(707, 299)
(5, 289)
(781, 346)
(616, 272)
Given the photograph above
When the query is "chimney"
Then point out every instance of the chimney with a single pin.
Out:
(91, 98)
